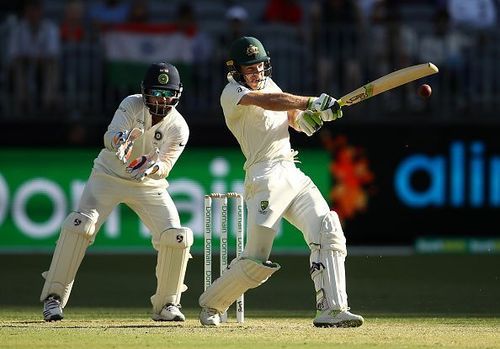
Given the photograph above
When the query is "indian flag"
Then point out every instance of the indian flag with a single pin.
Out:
(131, 47)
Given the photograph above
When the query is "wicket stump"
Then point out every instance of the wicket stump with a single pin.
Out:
(207, 239)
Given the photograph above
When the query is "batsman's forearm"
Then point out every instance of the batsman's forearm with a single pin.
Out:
(279, 101)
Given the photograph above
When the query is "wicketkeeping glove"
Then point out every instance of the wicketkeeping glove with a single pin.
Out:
(328, 106)
(124, 141)
(144, 165)
(309, 122)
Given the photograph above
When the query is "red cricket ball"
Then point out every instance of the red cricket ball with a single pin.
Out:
(424, 91)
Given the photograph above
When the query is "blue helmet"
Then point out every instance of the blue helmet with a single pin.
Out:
(161, 80)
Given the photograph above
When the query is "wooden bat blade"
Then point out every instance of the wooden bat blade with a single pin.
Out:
(388, 82)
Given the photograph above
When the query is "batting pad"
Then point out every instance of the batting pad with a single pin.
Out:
(76, 235)
(241, 275)
(327, 265)
(173, 255)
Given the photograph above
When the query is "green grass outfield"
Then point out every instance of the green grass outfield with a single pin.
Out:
(430, 301)
(89, 328)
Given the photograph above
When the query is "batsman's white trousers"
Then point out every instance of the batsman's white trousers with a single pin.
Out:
(275, 190)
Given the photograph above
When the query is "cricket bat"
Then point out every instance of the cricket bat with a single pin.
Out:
(388, 82)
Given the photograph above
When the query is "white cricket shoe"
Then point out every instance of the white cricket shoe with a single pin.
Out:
(52, 310)
(169, 312)
(337, 318)
(209, 317)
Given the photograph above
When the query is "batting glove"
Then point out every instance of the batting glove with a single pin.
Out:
(144, 165)
(309, 122)
(124, 141)
(328, 107)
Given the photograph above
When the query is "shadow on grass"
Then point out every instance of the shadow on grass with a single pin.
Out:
(381, 286)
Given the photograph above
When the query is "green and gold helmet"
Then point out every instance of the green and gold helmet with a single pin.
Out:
(247, 50)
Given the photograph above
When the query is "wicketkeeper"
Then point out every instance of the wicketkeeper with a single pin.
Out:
(259, 114)
(144, 140)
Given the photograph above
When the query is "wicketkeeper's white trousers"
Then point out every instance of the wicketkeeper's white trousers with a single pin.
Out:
(153, 204)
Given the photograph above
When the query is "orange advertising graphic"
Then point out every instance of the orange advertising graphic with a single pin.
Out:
(350, 170)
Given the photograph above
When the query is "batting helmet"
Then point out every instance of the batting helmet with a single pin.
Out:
(247, 50)
(161, 80)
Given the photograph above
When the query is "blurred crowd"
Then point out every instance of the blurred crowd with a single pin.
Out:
(55, 56)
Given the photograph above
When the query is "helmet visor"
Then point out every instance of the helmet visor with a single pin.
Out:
(160, 101)
(163, 93)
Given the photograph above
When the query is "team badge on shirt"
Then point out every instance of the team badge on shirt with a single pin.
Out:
(158, 135)
(264, 204)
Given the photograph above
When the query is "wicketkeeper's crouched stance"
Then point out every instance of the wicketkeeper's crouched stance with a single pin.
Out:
(259, 114)
(144, 140)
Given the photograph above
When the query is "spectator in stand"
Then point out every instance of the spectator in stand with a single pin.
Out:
(336, 44)
(445, 47)
(104, 13)
(201, 51)
(482, 74)
(337, 12)
(72, 27)
(10, 12)
(391, 45)
(283, 11)
(75, 77)
(475, 14)
(236, 26)
(237, 21)
(186, 18)
(284, 19)
(366, 8)
(139, 11)
(392, 42)
(33, 50)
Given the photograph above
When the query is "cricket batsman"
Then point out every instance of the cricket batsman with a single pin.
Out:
(259, 114)
(144, 140)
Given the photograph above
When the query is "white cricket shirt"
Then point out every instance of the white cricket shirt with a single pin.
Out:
(169, 136)
(262, 134)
